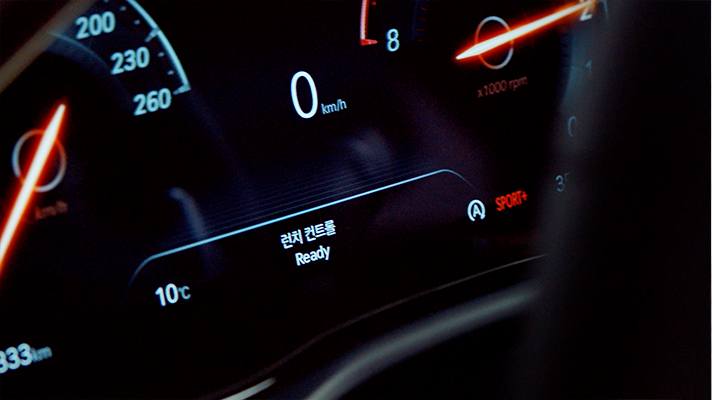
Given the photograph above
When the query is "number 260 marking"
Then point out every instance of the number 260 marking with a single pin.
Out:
(152, 101)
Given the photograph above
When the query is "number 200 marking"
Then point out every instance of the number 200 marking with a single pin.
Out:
(152, 101)
(95, 25)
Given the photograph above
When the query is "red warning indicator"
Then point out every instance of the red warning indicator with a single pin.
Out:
(511, 200)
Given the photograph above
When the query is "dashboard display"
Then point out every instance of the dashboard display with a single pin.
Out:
(196, 193)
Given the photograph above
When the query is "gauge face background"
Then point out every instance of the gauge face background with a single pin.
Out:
(247, 189)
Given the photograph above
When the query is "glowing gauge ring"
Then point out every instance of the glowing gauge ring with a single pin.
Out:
(511, 43)
(62, 161)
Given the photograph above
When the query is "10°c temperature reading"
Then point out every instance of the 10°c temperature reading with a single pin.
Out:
(172, 294)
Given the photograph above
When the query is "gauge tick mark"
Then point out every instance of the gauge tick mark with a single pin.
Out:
(153, 34)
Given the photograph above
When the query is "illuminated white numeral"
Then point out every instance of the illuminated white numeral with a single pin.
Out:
(95, 25)
(141, 106)
(152, 101)
(118, 60)
(295, 99)
(161, 296)
(172, 294)
(164, 98)
(152, 104)
(3, 363)
(571, 126)
(393, 43)
(25, 354)
(83, 23)
(129, 60)
(143, 57)
(21, 356)
(586, 14)
(13, 358)
(561, 182)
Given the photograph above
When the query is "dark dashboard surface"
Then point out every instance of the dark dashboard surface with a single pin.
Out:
(322, 198)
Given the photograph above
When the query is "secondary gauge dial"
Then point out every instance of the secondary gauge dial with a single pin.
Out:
(30, 182)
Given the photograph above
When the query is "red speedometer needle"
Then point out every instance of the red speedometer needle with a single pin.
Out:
(504, 38)
(33, 175)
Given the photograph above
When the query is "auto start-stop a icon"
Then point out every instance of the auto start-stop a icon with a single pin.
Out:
(476, 210)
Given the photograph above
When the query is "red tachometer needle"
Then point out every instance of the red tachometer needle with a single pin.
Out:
(504, 38)
(363, 27)
(36, 167)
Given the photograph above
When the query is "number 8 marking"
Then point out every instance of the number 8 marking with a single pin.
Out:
(393, 43)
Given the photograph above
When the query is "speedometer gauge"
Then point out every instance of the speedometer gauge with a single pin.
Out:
(103, 193)
(124, 42)
(207, 196)
(113, 61)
